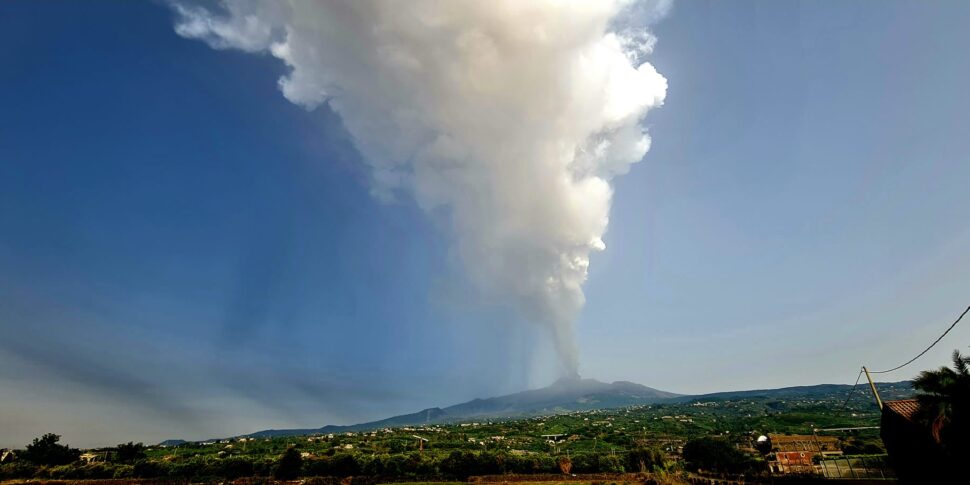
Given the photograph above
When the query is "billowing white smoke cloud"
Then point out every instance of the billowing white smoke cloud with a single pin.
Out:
(513, 116)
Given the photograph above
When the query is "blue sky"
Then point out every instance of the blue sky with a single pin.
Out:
(185, 253)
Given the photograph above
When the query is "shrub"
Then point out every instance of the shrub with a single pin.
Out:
(565, 465)
(129, 452)
(344, 465)
(716, 455)
(233, 468)
(17, 469)
(263, 468)
(611, 464)
(458, 464)
(290, 465)
(395, 466)
(644, 459)
(124, 471)
(319, 467)
(181, 469)
(149, 469)
(586, 463)
(373, 466)
(96, 471)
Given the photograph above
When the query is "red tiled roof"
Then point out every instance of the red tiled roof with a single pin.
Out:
(906, 408)
(798, 443)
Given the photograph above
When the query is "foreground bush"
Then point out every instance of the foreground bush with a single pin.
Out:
(459, 464)
(716, 455)
(17, 469)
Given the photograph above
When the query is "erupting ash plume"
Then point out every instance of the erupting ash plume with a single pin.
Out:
(511, 116)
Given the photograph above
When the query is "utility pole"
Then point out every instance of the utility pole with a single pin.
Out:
(872, 386)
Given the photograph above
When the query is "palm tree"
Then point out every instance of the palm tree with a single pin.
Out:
(944, 402)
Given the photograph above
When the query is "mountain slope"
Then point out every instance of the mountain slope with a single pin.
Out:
(563, 395)
(888, 390)
(430, 415)
(574, 395)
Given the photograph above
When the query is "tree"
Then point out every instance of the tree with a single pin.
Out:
(644, 459)
(611, 464)
(565, 465)
(129, 452)
(344, 465)
(944, 404)
(150, 469)
(459, 464)
(233, 468)
(46, 451)
(716, 455)
(290, 464)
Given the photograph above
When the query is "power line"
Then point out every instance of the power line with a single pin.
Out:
(851, 391)
(910, 361)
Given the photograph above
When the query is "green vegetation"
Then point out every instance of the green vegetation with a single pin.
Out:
(944, 397)
(129, 452)
(46, 451)
(711, 435)
(290, 465)
(718, 455)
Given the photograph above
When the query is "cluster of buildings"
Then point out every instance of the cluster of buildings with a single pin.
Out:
(800, 454)
(913, 453)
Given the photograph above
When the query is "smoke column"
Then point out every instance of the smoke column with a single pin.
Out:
(511, 117)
